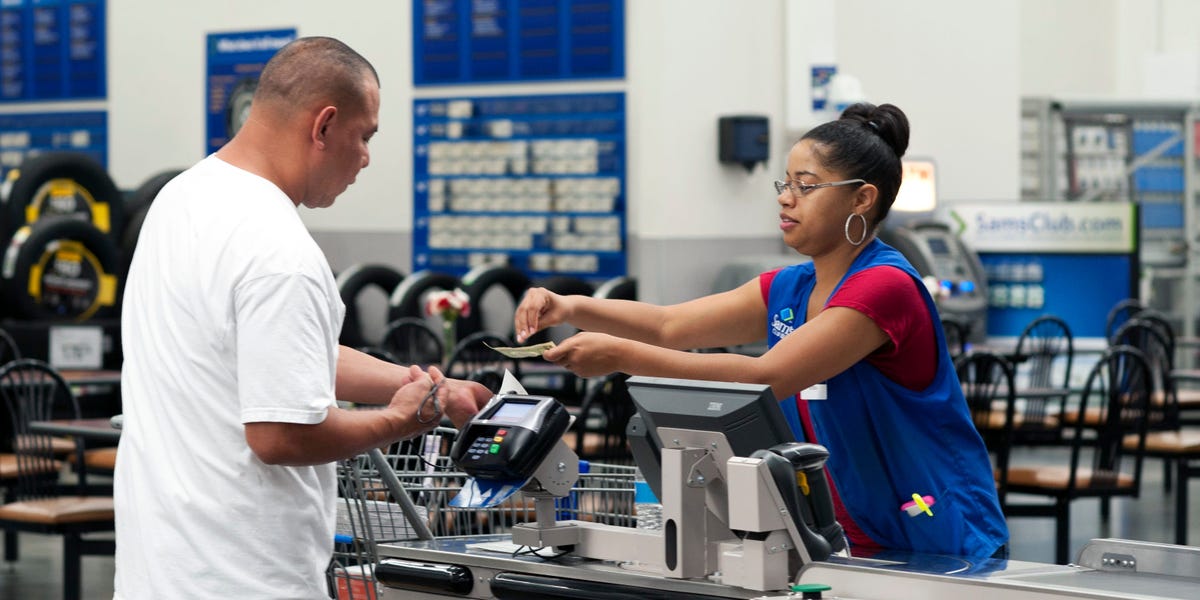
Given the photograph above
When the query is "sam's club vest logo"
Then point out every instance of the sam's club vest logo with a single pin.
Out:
(781, 323)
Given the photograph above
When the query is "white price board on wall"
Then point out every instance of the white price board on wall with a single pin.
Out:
(76, 347)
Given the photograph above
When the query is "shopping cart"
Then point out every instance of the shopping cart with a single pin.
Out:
(404, 493)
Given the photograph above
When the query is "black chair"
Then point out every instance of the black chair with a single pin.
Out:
(1177, 447)
(618, 288)
(380, 353)
(411, 341)
(1120, 312)
(473, 359)
(1185, 380)
(495, 291)
(39, 503)
(1187, 396)
(353, 285)
(956, 332)
(8, 460)
(1100, 464)
(409, 298)
(603, 414)
(1045, 343)
(9, 351)
(1155, 342)
(991, 395)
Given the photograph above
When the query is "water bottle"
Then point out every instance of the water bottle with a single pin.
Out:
(645, 504)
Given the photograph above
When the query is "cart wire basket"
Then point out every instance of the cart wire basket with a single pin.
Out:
(404, 492)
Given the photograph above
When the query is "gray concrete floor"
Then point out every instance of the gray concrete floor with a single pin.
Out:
(38, 573)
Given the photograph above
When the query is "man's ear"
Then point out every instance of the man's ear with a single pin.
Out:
(320, 126)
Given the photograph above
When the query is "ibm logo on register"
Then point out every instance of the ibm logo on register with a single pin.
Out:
(715, 406)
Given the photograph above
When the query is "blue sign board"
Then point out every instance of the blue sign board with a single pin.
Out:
(52, 50)
(471, 41)
(536, 182)
(1079, 288)
(235, 61)
(1069, 259)
(22, 134)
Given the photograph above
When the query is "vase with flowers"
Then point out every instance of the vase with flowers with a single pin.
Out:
(448, 305)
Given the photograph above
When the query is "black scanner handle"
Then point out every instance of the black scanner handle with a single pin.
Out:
(784, 476)
(810, 460)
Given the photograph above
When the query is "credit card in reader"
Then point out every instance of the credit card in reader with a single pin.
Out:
(508, 439)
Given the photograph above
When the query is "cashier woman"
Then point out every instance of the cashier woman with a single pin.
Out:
(854, 345)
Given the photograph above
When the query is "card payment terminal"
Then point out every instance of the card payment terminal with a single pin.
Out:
(508, 439)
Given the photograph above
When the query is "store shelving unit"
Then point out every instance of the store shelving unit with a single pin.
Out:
(1143, 151)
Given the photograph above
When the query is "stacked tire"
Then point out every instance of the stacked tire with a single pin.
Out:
(61, 269)
(352, 284)
(136, 207)
(61, 214)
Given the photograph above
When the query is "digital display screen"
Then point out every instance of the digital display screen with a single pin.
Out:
(511, 412)
(938, 246)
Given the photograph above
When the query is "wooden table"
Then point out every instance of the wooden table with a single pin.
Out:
(96, 429)
(81, 429)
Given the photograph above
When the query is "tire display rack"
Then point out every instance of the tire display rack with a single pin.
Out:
(1095, 150)
(62, 268)
(535, 182)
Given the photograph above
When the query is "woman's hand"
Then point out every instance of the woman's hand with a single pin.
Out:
(539, 308)
(589, 354)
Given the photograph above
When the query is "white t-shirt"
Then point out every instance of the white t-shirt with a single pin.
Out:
(231, 315)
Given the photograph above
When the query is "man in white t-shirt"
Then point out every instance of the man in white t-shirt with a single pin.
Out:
(225, 487)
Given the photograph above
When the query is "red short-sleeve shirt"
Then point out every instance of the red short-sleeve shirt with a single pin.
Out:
(890, 298)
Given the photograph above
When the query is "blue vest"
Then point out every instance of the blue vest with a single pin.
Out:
(887, 442)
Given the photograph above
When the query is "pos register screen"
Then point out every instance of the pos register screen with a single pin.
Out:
(747, 414)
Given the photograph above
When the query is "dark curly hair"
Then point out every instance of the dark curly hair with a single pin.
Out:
(865, 143)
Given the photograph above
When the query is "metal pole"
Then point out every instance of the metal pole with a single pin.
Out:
(388, 475)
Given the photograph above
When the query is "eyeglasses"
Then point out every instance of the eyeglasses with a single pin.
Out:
(802, 189)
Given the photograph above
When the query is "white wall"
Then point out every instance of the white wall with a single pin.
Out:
(1069, 47)
(1156, 31)
(156, 90)
(689, 63)
(952, 67)
(1102, 48)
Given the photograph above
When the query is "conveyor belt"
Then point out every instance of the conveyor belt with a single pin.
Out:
(1107, 570)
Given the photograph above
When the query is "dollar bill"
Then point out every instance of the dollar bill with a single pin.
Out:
(523, 351)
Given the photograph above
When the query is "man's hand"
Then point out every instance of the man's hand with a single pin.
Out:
(460, 399)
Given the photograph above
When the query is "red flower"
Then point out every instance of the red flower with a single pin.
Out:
(448, 304)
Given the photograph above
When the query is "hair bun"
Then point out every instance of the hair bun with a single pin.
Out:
(885, 120)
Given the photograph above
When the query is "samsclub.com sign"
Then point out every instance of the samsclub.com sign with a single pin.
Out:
(1108, 227)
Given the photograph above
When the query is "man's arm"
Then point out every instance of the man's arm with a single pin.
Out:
(364, 379)
(345, 433)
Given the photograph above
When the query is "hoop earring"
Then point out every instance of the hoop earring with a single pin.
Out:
(847, 229)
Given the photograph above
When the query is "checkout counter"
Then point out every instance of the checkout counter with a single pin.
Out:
(739, 521)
